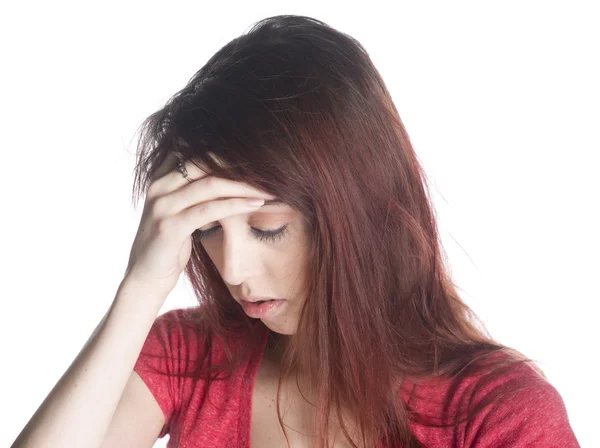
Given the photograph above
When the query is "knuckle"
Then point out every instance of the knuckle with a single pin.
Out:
(152, 190)
(164, 225)
(210, 181)
(160, 207)
(204, 207)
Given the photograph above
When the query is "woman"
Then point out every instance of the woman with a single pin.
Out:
(364, 340)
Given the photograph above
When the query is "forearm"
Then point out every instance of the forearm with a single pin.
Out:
(78, 410)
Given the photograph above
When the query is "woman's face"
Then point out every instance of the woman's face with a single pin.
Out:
(253, 263)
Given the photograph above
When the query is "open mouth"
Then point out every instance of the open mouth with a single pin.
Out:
(262, 308)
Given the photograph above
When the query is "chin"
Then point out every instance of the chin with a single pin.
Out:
(286, 330)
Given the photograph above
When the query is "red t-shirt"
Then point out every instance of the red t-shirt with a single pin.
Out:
(536, 417)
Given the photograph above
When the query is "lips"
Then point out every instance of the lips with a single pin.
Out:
(257, 299)
(262, 309)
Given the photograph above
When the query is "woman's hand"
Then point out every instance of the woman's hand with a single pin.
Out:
(174, 208)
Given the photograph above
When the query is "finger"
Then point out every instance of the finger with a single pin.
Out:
(194, 168)
(168, 177)
(169, 162)
(201, 214)
(208, 189)
(167, 165)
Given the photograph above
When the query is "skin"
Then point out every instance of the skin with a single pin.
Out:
(250, 266)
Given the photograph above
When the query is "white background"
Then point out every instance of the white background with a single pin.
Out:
(501, 101)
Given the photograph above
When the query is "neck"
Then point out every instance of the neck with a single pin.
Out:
(276, 345)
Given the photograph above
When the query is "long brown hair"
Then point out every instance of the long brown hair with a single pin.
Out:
(297, 109)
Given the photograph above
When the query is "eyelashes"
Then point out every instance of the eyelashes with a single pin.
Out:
(261, 235)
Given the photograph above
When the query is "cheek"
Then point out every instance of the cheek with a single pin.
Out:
(291, 262)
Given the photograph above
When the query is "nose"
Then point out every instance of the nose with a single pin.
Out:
(238, 262)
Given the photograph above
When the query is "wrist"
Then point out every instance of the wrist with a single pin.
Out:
(134, 289)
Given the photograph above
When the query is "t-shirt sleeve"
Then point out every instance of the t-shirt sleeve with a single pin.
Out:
(161, 353)
(534, 417)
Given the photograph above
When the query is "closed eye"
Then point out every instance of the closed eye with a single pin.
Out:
(262, 235)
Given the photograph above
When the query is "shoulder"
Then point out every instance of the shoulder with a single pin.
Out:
(182, 334)
(172, 342)
(516, 406)
(512, 406)
(174, 331)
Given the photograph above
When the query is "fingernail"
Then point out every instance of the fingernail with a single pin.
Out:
(255, 202)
